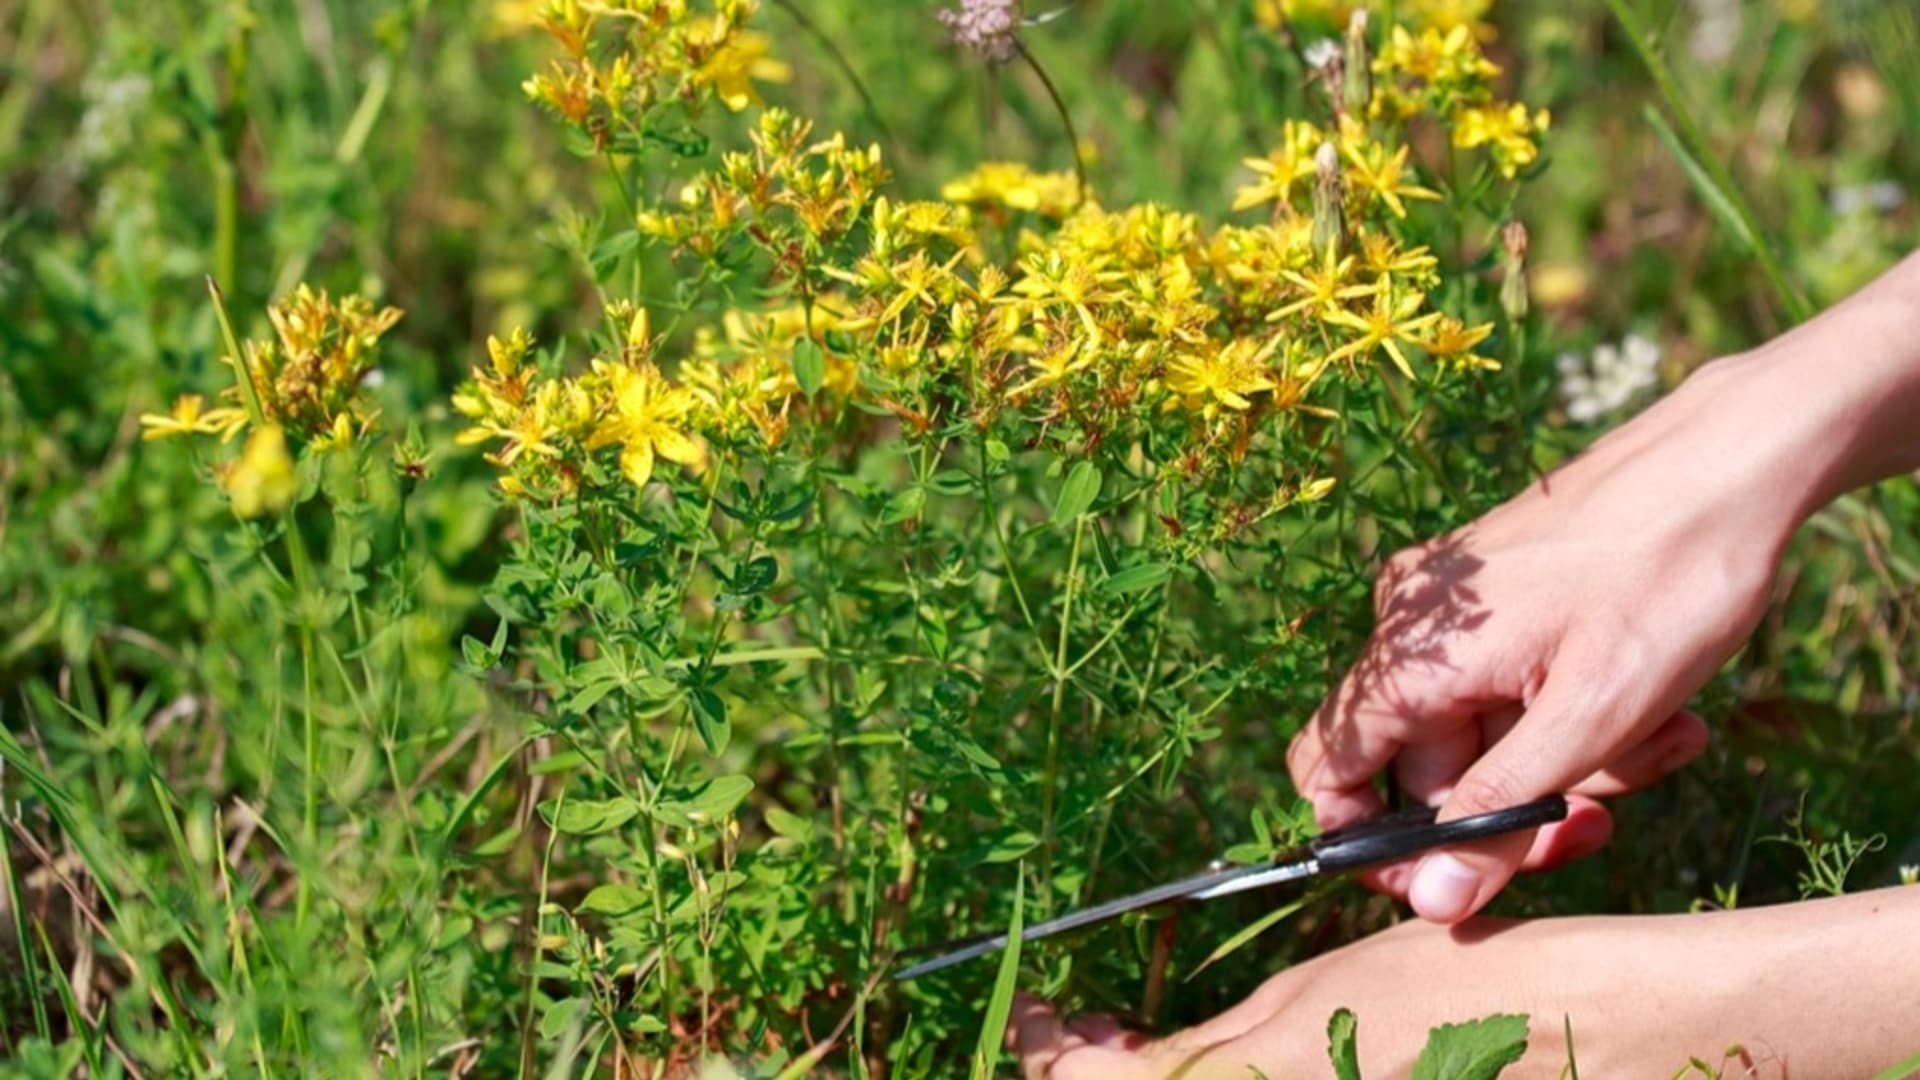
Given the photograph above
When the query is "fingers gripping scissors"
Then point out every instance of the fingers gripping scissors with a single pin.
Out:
(1373, 842)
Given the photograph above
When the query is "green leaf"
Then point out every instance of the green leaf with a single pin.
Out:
(809, 366)
(711, 801)
(1136, 579)
(591, 817)
(590, 695)
(759, 575)
(1343, 1045)
(993, 1027)
(1009, 846)
(645, 1024)
(710, 718)
(475, 651)
(904, 505)
(562, 1015)
(1077, 494)
(789, 825)
(1477, 1050)
(612, 899)
(1246, 934)
(614, 247)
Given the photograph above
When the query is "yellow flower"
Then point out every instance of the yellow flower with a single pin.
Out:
(510, 17)
(1078, 284)
(1326, 287)
(1055, 366)
(1448, 58)
(190, 416)
(1286, 165)
(1380, 255)
(1559, 284)
(1389, 322)
(1273, 14)
(1015, 187)
(1314, 490)
(648, 420)
(262, 480)
(1449, 15)
(1384, 175)
(337, 437)
(1510, 129)
(1223, 376)
(735, 65)
(897, 226)
(1452, 341)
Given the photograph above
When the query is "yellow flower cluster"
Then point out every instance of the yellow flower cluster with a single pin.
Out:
(1433, 62)
(668, 53)
(306, 381)
(1445, 72)
(1012, 186)
(1440, 14)
(1013, 299)
(823, 186)
(554, 432)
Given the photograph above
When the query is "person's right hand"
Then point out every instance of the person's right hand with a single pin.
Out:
(1549, 646)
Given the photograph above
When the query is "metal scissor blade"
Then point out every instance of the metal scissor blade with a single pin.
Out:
(1259, 877)
(1200, 886)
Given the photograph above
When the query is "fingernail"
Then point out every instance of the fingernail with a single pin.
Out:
(1443, 889)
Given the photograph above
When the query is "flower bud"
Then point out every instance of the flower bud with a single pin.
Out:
(1329, 225)
(1359, 66)
(1513, 268)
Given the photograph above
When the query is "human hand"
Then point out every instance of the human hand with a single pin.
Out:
(1808, 985)
(1547, 646)
(1550, 645)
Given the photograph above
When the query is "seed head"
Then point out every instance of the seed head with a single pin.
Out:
(985, 26)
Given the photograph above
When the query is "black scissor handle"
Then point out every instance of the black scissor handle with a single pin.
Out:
(1392, 837)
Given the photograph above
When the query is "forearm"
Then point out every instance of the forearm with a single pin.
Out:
(1821, 988)
(1842, 391)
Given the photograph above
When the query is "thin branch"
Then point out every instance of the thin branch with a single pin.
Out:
(1059, 106)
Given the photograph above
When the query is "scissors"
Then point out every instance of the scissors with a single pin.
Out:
(1373, 842)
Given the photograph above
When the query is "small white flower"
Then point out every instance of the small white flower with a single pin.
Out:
(1323, 54)
(1609, 380)
(113, 111)
(1881, 196)
(1910, 875)
(1716, 30)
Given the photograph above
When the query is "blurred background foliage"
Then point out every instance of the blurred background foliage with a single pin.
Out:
(383, 146)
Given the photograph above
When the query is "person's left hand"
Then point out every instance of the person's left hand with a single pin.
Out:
(1403, 982)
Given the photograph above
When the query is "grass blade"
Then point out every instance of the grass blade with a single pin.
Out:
(1252, 930)
(1902, 1070)
(1690, 136)
(993, 1027)
(1719, 203)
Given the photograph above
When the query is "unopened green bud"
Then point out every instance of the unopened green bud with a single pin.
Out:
(1329, 221)
(1513, 268)
(1359, 66)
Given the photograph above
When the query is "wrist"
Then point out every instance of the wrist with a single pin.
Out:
(1843, 391)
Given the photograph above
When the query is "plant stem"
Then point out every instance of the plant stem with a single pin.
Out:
(813, 30)
(242, 367)
(1696, 141)
(1060, 676)
(1066, 118)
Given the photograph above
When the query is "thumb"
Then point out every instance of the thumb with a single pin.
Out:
(1550, 749)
